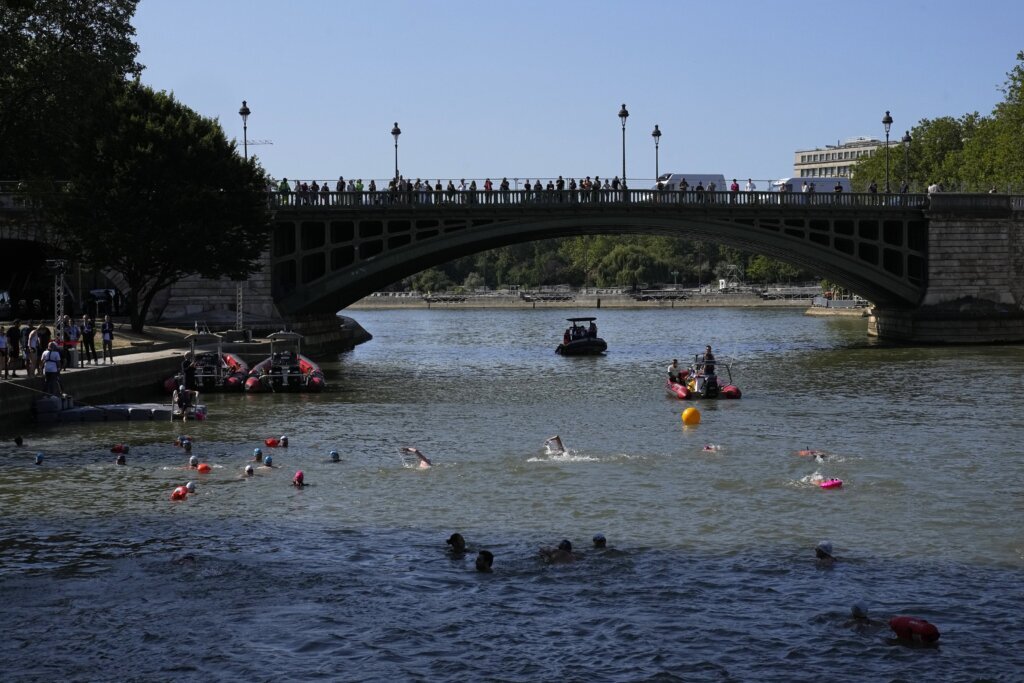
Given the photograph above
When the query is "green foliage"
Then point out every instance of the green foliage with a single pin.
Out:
(162, 194)
(972, 153)
(58, 57)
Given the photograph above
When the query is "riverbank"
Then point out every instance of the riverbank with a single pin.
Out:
(574, 300)
(141, 363)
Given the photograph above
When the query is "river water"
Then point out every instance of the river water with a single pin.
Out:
(711, 573)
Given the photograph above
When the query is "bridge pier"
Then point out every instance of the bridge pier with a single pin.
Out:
(975, 285)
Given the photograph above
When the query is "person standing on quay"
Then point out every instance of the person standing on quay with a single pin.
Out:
(107, 334)
(88, 340)
(13, 334)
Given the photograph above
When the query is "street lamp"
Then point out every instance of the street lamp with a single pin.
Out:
(674, 274)
(906, 157)
(244, 113)
(656, 134)
(887, 122)
(623, 114)
(396, 131)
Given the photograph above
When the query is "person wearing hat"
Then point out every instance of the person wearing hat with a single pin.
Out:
(268, 463)
(50, 358)
(299, 480)
(257, 455)
(193, 463)
(563, 554)
(823, 553)
(121, 460)
(335, 456)
(249, 471)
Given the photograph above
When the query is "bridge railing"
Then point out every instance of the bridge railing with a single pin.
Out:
(497, 198)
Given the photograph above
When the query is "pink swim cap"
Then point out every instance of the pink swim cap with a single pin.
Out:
(299, 476)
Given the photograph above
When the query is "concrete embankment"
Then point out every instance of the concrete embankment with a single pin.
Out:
(140, 368)
(575, 301)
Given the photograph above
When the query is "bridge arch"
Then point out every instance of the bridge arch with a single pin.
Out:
(324, 260)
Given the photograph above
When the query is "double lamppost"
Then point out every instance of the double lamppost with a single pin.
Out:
(395, 132)
(244, 113)
(887, 122)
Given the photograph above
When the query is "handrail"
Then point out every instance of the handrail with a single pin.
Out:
(497, 198)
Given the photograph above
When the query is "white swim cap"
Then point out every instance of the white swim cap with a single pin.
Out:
(191, 486)
(248, 469)
(193, 461)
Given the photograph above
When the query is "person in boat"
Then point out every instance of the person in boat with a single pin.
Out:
(424, 461)
(709, 361)
(673, 371)
(592, 330)
(554, 445)
(566, 338)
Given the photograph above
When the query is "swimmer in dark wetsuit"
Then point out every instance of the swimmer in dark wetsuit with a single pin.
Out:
(457, 543)
(563, 554)
(484, 560)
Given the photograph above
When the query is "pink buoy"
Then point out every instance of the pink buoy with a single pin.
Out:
(831, 484)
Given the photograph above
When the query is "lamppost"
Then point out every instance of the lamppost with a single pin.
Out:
(674, 274)
(244, 113)
(906, 157)
(624, 114)
(656, 134)
(887, 122)
(396, 131)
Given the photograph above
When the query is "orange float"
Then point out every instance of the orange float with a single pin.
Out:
(179, 493)
(270, 441)
(204, 468)
(119, 448)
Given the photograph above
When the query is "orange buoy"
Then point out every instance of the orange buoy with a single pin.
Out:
(204, 468)
(271, 441)
(179, 493)
(912, 629)
(119, 448)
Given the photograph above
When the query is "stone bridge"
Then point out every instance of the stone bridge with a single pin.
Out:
(942, 269)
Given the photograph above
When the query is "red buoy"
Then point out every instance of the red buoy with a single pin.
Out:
(271, 441)
(119, 448)
(912, 629)
(179, 493)
(204, 468)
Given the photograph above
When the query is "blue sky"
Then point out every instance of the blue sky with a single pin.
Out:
(526, 88)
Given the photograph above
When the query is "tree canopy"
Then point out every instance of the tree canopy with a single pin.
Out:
(969, 153)
(59, 56)
(162, 194)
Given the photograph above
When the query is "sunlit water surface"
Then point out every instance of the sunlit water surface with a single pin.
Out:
(711, 575)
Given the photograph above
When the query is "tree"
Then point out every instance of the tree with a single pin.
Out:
(57, 58)
(162, 195)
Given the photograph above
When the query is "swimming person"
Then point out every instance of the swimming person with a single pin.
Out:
(823, 554)
(39, 458)
(561, 555)
(554, 445)
(249, 471)
(600, 541)
(299, 480)
(268, 463)
(484, 560)
(257, 455)
(190, 487)
(424, 461)
(457, 543)
(335, 456)
(193, 463)
(120, 459)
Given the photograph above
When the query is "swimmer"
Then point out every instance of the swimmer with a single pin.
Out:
(712, 447)
(182, 439)
(561, 555)
(120, 460)
(283, 442)
(257, 455)
(335, 456)
(457, 543)
(811, 453)
(268, 463)
(600, 541)
(554, 445)
(484, 560)
(823, 554)
(39, 459)
(424, 461)
(299, 480)
(18, 441)
(193, 463)
(187, 445)
(249, 471)
(190, 487)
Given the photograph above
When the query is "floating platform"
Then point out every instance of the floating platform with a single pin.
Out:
(54, 409)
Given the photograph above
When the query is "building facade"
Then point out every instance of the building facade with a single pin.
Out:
(835, 161)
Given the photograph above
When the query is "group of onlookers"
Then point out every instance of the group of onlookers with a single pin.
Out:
(41, 353)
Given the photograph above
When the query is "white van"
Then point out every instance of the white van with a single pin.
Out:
(820, 184)
(670, 181)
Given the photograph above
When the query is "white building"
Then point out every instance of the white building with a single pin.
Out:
(835, 161)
